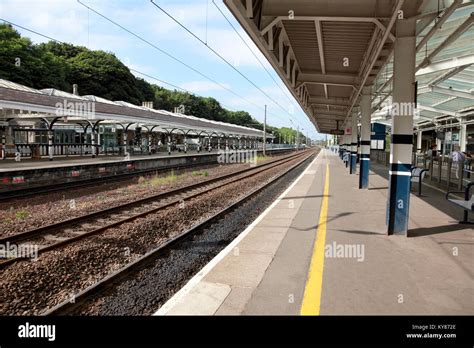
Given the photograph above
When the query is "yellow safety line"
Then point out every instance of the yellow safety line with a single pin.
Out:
(312, 294)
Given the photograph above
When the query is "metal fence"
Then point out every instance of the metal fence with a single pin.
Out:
(442, 170)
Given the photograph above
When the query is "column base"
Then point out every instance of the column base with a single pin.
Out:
(398, 204)
(353, 163)
(364, 173)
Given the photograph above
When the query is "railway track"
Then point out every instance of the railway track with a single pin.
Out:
(33, 191)
(54, 236)
(68, 307)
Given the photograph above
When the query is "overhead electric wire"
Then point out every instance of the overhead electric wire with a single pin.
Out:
(217, 54)
(178, 87)
(170, 55)
(31, 31)
(131, 69)
(166, 53)
(251, 51)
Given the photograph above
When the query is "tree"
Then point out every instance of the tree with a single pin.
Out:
(28, 64)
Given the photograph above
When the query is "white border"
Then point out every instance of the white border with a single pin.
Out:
(219, 257)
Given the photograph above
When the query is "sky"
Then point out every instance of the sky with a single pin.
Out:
(69, 21)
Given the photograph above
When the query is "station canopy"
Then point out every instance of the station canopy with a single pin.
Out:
(327, 51)
(22, 103)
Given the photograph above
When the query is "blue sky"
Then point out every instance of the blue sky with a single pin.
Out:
(69, 21)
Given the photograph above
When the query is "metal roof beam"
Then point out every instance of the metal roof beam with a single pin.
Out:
(443, 18)
(449, 11)
(449, 40)
(447, 75)
(457, 64)
(453, 92)
(249, 8)
(446, 64)
(439, 111)
(319, 35)
(330, 19)
(443, 101)
(393, 18)
(329, 101)
(337, 79)
(331, 113)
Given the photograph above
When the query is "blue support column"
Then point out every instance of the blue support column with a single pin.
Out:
(365, 133)
(347, 153)
(353, 144)
(402, 127)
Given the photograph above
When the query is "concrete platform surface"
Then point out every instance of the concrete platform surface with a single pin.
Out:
(268, 268)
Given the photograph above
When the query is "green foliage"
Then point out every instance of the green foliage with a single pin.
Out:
(200, 173)
(28, 64)
(21, 215)
(287, 135)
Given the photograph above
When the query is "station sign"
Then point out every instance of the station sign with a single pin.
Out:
(337, 132)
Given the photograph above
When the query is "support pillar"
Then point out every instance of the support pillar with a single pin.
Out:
(169, 145)
(4, 143)
(402, 127)
(185, 144)
(124, 142)
(218, 143)
(150, 139)
(419, 137)
(93, 142)
(365, 133)
(354, 144)
(227, 144)
(347, 147)
(462, 136)
(209, 144)
(50, 145)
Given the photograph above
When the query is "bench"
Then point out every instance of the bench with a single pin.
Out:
(417, 175)
(467, 204)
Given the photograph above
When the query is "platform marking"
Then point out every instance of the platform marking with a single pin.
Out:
(194, 281)
(312, 293)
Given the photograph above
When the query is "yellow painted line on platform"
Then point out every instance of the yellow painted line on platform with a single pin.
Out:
(312, 293)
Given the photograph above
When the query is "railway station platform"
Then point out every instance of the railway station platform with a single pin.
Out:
(11, 165)
(31, 164)
(322, 248)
